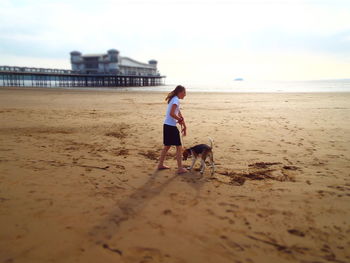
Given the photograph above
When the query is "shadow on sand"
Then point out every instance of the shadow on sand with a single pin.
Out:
(133, 204)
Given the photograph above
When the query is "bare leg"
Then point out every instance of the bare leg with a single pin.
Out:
(162, 157)
(181, 169)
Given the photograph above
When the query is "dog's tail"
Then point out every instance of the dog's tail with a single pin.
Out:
(211, 142)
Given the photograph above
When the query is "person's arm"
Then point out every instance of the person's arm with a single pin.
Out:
(172, 113)
(183, 124)
(183, 119)
(180, 114)
(183, 128)
(178, 118)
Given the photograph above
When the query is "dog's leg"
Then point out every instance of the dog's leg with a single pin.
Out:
(202, 166)
(193, 162)
(212, 164)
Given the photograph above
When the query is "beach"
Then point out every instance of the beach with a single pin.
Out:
(79, 182)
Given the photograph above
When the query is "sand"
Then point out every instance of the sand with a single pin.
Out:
(78, 180)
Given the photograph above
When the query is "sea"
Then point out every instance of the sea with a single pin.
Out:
(246, 86)
(242, 86)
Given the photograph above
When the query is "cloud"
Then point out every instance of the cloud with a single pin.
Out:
(194, 40)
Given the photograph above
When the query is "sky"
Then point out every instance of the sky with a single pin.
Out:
(212, 41)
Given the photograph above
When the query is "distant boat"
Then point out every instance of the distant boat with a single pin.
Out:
(238, 79)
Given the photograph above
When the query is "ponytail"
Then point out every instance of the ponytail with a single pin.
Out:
(174, 93)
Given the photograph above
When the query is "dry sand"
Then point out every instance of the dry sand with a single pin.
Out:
(78, 180)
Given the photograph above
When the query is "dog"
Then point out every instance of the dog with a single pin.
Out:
(201, 151)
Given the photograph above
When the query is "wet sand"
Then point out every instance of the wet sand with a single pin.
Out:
(78, 179)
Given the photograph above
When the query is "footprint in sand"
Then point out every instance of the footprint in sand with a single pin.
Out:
(118, 131)
(272, 170)
(120, 151)
(183, 200)
(144, 255)
(296, 232)
(150, 154)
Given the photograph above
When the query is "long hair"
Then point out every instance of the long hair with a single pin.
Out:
(174, 93)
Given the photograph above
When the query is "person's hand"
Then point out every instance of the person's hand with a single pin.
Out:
(183, 130)
(181, 121)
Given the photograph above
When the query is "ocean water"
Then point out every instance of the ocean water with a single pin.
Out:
(262, 87)
(245, 86)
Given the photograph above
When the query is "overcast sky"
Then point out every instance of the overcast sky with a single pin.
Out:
(193, 41)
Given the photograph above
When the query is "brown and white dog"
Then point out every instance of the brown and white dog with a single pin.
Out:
(201, 151)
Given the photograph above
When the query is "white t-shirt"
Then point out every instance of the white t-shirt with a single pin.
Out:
(168, 119)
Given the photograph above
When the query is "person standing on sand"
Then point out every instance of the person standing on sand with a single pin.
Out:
(171, 135)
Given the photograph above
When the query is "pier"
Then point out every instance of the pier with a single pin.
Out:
(46, 77)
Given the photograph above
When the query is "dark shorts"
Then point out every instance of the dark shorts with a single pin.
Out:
(171, 135)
